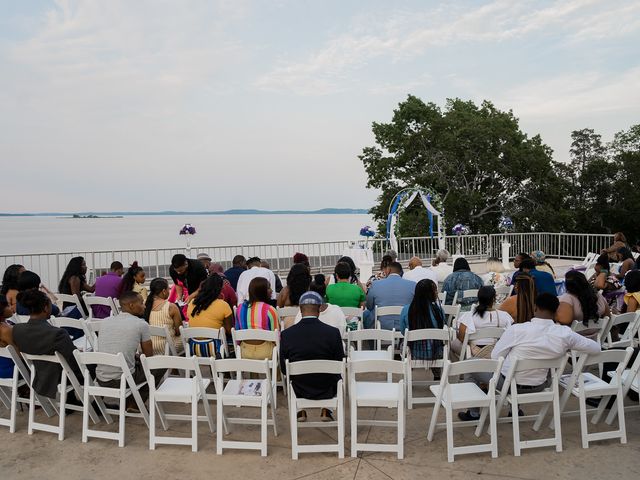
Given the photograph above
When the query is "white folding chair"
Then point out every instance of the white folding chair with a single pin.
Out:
(9, 391)
(236, 393)
(442, 296)
(163, 332)
(630, 381)
(85, 343)
(264, 336)
(330, 367)
(94, 391)
(90, 300)
(626, 339)
(379, 312)
(427, 334)
(502, 293)
(191, 389)
(286, 312)
(451, 314)
(377, 394)
(198, 341)
(471, 293)
(467, 395)
(353, 315)
(16, 319)
(68, 383)
(481, 334)
(583, 385)
(75, 299)
(550, 396)
(602, 326)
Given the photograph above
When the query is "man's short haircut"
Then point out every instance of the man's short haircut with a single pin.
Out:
(238, 260)
(129, 296)
(528, 263)
(343, 271)
(548, 302)
(178, 260)
(115, 266)
(395, 267)
(254, 261)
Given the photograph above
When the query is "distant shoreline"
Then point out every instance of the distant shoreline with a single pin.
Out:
(324, 211)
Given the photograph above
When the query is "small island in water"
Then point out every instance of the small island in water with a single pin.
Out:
(75, 215)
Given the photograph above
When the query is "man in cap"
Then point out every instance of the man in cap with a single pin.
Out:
(311, 339)
(205, 259)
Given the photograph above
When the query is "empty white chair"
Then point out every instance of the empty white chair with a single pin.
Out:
(626, 339)
(379, 312)
(94, 391)
(241, 392)
(439, 335)
(9, 390)
(68, 383)
(371, 335)
(204, 342)
(336, 404)
(86, 343)
(550, 396)
(502, 293)
(286, 315)
(630, 381)
(455, 396)
(191, 389)
(601, 328)
(471, 293)
(583, 385)
(482, 333)
(108, 302)
(451, 314)
(75, 299)
(377, 394)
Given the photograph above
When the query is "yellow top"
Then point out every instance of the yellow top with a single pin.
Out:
(212, 317)
(635, 295)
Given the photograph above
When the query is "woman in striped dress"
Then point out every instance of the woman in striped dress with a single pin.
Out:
(159, 312)
(257, 313)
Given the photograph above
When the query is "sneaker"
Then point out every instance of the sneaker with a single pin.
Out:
(520, 413)
(302, 416)
(326, 415)
(468, 416)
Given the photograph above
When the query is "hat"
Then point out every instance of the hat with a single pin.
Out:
(203, 256)
(310, 298)
(538, 256)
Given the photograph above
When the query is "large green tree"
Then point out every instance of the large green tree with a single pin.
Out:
(474, 159)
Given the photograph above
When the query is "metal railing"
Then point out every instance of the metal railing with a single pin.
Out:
(322, 255)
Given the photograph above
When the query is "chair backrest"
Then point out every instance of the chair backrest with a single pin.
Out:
(287, 311)
(476, 365)
(451, 313)
(163, 332)
(473, 292)
(79, 323)
(204, 335)
(170, 362)
(75, 299)
(305, 367)
(602, 326)
(228, 365)
(504, 290)
(390, 310)
(90, 300)
(443, 298)
(626, 339)
(397, 367)
(444, 335)
(621, 357)
(481, 333)
(352, 311)
(255, 334)
(15, 318)
(372, 334)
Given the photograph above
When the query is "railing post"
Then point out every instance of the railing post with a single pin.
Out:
(559, 249)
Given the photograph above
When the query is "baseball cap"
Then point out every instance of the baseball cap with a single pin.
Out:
(203, 256)
(310, 298)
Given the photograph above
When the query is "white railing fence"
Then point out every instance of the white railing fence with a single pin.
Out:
(323, 255)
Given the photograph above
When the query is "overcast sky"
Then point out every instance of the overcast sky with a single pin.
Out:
(204, 105)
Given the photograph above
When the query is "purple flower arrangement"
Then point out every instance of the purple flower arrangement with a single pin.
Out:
(460, 229)
(367, 231)
(187, 229)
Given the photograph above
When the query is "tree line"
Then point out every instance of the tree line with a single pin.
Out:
(479, 166)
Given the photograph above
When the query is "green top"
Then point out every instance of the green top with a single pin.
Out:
(345, 294)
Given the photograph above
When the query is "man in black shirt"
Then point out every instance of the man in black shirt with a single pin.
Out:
(190, 272)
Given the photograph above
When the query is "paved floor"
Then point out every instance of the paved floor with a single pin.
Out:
(41, 455)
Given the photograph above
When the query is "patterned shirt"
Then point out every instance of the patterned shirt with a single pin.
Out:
(258, 315)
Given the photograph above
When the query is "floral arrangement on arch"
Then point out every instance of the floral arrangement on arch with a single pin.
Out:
(506, 224)
(187, 229)
(460, 229)
(367, 231)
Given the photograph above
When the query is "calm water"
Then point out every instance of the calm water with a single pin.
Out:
(50, 234)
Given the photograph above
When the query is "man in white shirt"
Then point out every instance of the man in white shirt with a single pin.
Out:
(254, 270)
(539, 339)
(417, 272)
(440, 266)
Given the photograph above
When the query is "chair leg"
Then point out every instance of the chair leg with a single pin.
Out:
(293, 425)
(449, 419)
(219, 417)
(14, 406)
(340, 426)
(601, 407)
(483, 417)
(493, 422)
(541, 415)
(621, 419)
(515, 421)
(63, 410)
(557, 421)
(263, 427)
(194, 423)
(354, 426)
(122, 411)
(583, 420)
(401, 429)
(32, 408)
(85, 416)
(434, 420)
(273, 407)
(152, 422)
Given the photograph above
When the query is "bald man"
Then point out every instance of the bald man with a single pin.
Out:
(417, 272)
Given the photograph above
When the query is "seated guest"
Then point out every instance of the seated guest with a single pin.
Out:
(353, 277)
(393, 290)
(257, 313)
(39, 337)
(187, 274)
(424, 311)
(29, 280)
(160, 312)
(417, 272)
(10, 284)
(228, 293)
(517, 265)
(239, 265)
(541, 263)
(254, 270)
(108, 285)
(521, 304)
(74, 282)
(133, 281)
(602, 278)
(627, 263)
(495, 276)
(126, 333)
(6, 337)
(632, 286)
(544, 281)
(207, 309)
(329, 314)
(619, 241)
(343, 293)
(205, 259)
(483, 315)
(539, 339)
(265, 264)
(581, 302)
(439, 265)
(382, 273)
(311, 339)
(460, 280)
(298, 281)
(301, 258)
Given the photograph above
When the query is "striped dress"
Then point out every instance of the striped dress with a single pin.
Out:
(258, 315)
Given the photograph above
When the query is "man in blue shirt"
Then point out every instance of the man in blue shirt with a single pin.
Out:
(544, 281)
(233, 274)
(390, 291)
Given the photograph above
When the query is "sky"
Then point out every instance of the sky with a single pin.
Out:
(214, 105)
